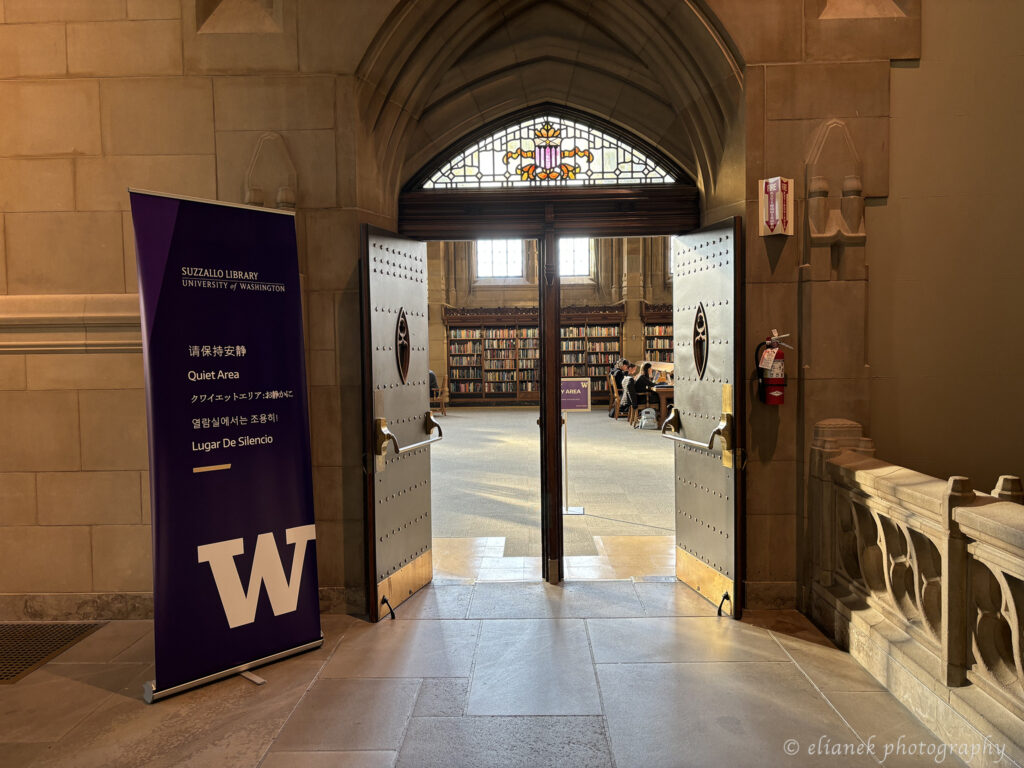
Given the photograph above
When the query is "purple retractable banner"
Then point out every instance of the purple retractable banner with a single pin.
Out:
(234, 556)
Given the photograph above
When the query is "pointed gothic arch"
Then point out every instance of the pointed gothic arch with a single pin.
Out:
(438, 70)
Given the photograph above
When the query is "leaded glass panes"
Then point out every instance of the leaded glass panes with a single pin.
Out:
(499, 258)
(574, 256)
(546, 151)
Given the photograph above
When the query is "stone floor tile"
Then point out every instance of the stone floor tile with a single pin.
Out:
(501, 574)
(20, 754)
(590, 572)
(476, 500)
(898, 737)
(345, 715)
(333, 626)
(718, 714)
(423, 648)
(505, 742)
(123, 678)
(229, 724)
(530, 667)
(542, 600)
(789, 623)
(442, 697)
(828, 667)
(437, 602)
(45, 706)
(107, 642)
(680, 639)
(140, 651)
(672, 599)
(330, 760)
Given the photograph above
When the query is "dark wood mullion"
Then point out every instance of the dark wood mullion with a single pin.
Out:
(550, 408)
(643, 210)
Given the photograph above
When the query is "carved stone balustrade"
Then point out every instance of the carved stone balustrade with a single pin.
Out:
(923, 581)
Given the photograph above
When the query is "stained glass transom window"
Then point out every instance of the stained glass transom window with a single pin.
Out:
(547, 151)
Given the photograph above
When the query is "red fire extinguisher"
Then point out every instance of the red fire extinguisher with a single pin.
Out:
(770, 359)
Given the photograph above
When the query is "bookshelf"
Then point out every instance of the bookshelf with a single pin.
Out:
(658, 337)
(529, 362)
(500, 359)
(494, 354)
(604, 348)
(465, 372)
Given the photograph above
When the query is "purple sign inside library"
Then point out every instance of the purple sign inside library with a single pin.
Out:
(234, 557)
(575, 394)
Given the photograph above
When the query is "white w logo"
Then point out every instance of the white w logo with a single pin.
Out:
(239, 605)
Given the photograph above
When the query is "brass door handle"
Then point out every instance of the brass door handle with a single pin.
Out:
(385, 436)
(674, 424)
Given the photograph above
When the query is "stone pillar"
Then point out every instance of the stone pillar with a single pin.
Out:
(832, 339)
(831, 437)
(955, 579)
(633, 294)
(436, 291)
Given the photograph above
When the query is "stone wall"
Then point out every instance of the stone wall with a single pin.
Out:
(946, 275)
(100, 95)
(175, 95)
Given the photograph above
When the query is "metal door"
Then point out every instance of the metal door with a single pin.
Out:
(706, 420)
(398, 427)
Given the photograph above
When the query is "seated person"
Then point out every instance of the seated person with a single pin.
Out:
(434, 389)
(644, 384)
(629, 396)
(619, 372)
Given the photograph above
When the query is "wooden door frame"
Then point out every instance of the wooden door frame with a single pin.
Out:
(544, 214)
(549, 304)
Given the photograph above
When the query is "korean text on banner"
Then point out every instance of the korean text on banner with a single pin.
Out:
(235, 577)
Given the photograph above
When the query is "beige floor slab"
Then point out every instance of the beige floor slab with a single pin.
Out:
(897, 738)
(141, 650)
(542, 601)
(722, 714)
(230, 723)
(417, 649)
(828, 667)
(527, 667)
(505, 742)
(20, 754)
(85, 714)
(442, 697)
(342, 715)
(437, 602)
(107, 642)
(45, 706)
(677, 639)
(363, 759)
(672, 599)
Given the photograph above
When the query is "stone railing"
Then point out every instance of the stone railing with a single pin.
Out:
(923, 581)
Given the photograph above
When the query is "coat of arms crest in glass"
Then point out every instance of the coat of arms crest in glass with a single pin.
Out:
(547, 150)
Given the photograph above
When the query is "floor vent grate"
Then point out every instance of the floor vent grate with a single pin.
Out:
(25, 647)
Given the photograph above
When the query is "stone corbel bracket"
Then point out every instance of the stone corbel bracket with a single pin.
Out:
(833, 164)
(63, 323)
(271, 167)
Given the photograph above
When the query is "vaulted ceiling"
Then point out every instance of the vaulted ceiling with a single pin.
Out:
(439, 70)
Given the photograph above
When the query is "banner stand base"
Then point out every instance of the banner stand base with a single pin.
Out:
(150, 694)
